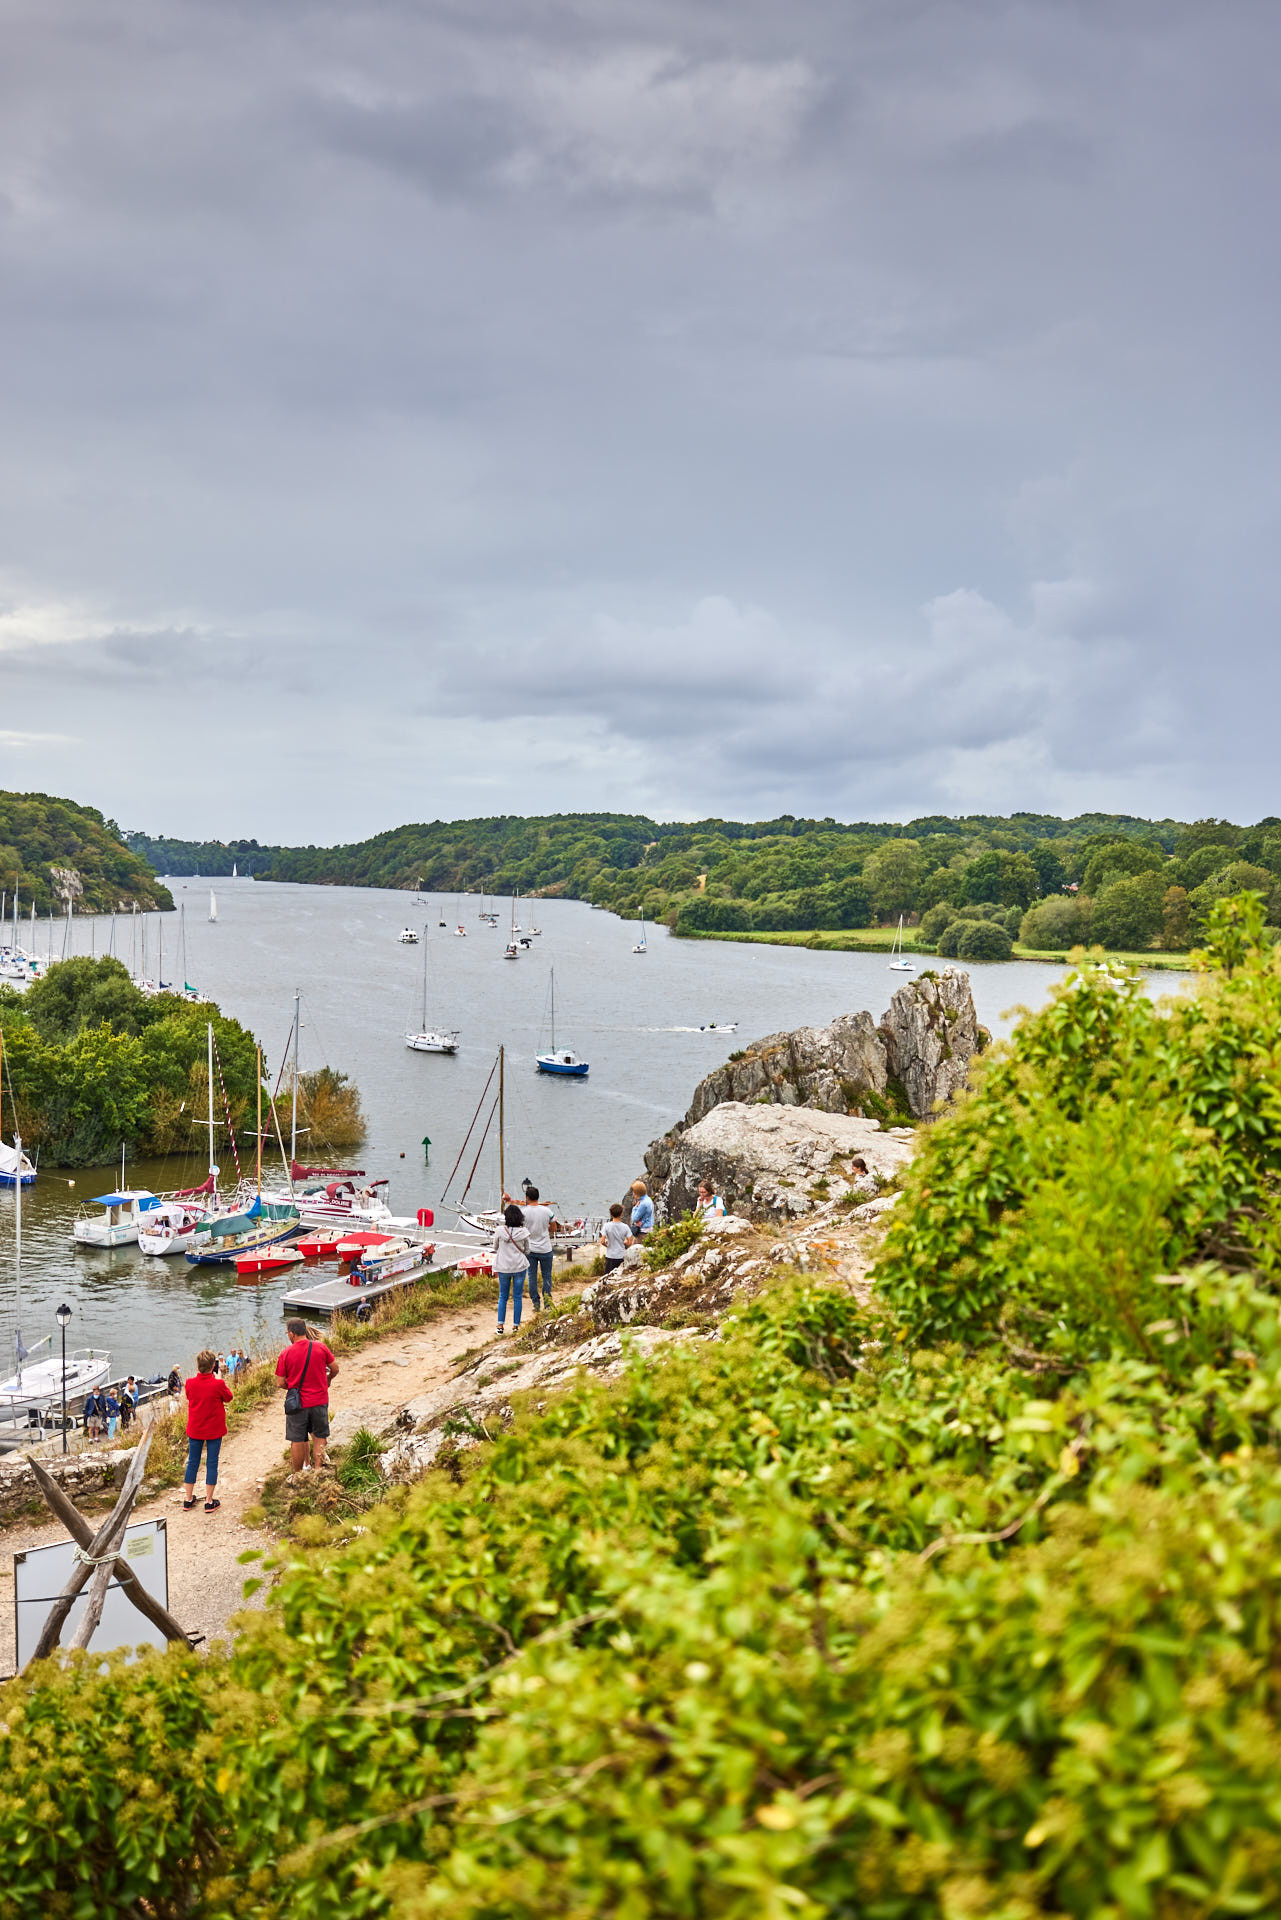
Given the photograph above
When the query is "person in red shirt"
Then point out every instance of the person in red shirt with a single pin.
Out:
(309, 1366)
(207, 1398)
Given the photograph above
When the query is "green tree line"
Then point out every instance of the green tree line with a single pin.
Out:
(90, 1063)
(52, 851)
(960, 1603)
(794, 874)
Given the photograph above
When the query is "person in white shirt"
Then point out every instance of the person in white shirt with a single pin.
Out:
(615, 1239)
(511, 1259)
(709, 1205)
(539, 1221)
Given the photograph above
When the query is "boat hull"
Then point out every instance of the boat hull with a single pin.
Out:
(567, 1069)
(227, 1252)
(432, 1042)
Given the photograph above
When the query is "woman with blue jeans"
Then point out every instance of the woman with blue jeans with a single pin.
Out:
(511, 1260)
(207, 1401)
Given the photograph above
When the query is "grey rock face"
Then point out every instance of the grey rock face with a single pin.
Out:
(931, 1034)
(822, 1067)
(776, 1162)
(923, 1046)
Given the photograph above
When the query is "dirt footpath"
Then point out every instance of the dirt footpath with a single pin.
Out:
(205, 1578)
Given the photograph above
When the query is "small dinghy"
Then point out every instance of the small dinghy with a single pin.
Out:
(251, 1266)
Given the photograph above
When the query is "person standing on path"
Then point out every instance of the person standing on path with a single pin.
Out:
(539, 1220)
(642, 1211)
(306, 1370)
(615, 1239)
(207, 1398)
(511, 1259)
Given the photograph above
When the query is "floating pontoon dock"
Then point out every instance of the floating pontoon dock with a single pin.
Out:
(328, 1297)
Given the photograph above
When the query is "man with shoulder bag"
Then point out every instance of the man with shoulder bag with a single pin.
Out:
(305, 1370)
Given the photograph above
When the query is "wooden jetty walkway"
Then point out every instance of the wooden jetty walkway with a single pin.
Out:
(327, 1297)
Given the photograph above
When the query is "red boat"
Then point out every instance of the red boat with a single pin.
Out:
(351, 1245)
(266, 1260)
(321, 1243)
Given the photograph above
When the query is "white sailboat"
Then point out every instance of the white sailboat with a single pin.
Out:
(40, 1384)
(430, 1039)
(640, 946)
(213, 904)
(898, 961)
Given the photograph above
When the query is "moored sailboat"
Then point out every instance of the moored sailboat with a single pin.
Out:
(560, 1060)
(431, 1039)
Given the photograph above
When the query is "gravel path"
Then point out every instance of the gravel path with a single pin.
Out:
(205, 1578)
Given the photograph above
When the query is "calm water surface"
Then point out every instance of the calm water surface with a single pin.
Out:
(635, 1018)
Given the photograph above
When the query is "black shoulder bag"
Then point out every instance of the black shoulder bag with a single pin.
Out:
(293, 1395)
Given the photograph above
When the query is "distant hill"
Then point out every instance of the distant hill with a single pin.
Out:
(54, 850)
(769, 875)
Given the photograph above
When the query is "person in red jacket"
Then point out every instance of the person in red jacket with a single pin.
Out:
(207, 1398)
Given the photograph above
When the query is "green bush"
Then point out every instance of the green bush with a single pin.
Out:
(668, 1243)
(984, 940)
(935, 918)
(1063, 921)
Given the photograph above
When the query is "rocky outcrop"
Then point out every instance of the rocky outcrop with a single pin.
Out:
(776, 1162)
(930, 1035)
(829, 1068)
(917, 1057)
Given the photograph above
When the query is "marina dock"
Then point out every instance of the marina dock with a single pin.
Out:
(328, 1297)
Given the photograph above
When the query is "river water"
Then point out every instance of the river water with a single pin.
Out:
(635, 1018)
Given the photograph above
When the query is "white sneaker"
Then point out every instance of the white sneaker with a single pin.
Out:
(501, 1327)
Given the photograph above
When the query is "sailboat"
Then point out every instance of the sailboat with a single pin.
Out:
(899, 963)
(562, 1060)
(188, 991)
(512, 950)
(640, 946)
(430, 1039)
(227, 1239)
(213, 904)
(34, 1388)
(16, 1169)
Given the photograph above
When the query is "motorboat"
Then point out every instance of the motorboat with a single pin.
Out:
(352, 1245)
(460, 933)
(170, 1227)
(267, 1260)
(719, 1026)
(320, 1244)
(122, 1215)
(511, 951)
(560, 1060)
(15, 1168)
(408, 938)
(383, 1263)
(38, 1385)
(221, 1241)
(333, 1201)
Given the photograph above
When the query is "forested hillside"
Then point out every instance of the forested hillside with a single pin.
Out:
(52, 851)
(1114, 878)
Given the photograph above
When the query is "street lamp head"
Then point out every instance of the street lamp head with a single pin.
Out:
(63, 1316)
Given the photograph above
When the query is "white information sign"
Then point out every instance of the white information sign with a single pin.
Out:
(40, 1574)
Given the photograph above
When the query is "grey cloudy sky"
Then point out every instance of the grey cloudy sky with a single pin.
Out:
(862, 407)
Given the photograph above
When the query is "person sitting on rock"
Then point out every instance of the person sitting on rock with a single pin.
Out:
(708, 1205)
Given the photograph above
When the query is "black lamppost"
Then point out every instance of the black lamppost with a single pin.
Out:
(63, 1317)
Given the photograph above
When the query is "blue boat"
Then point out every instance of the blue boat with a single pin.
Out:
(15, 1168)
(260, 1225)
(562, 1060)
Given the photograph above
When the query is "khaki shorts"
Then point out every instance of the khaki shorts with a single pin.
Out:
(308, 1422)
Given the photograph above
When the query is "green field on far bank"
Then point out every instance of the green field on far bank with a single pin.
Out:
(881, 939)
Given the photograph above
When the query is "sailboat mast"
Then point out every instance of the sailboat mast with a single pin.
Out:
(293, 1117)
(553, 1009)
(17, 1245)
(258, 1128)
(212, 1175)
(502, 1170)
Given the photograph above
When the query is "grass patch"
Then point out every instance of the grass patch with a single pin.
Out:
(308, 1506)
(669, 1243)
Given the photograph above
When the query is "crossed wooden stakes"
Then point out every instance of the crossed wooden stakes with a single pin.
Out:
(98, 1560)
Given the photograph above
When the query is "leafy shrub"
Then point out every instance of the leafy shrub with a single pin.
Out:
(935, 918)
(668, 1243)
(1063, 921)
(1128, 913)
(984, 940)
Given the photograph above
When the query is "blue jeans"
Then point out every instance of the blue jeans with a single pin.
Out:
(513, 1283)
(539, 1261)
(212, 1449)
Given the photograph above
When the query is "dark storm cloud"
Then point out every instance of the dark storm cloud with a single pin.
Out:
(844, 408)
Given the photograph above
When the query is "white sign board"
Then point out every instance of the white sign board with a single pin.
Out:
(40, 1574)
